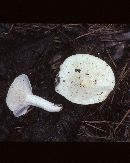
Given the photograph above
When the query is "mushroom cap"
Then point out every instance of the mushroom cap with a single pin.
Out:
(85, 79)
(16, 96)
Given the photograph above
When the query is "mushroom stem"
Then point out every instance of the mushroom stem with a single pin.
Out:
(42, 103)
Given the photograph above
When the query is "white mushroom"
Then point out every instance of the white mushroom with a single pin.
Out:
(20, 97)
(85, 79)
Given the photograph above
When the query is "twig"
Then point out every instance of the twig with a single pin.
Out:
(91, 136)
(122, 75)
(101, 122)
(113, 96)
(96, 121)
(123, 71)
(122, 120)
(98, 137)
(11, 28)
(96, 31)
(126, 73)
(111, 133)
(86, 34)
(95, 127)
(52, 28)
(70, 25)
(112, 60)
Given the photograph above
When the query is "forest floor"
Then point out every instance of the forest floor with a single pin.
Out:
(37, 50)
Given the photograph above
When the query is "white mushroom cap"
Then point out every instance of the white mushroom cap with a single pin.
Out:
(85, 79)
(20, 97)
(17, 93)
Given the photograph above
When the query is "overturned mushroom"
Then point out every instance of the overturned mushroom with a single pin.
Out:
(20, 97)
(85, 79)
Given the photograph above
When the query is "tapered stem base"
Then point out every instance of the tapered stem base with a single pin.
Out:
(42, 103)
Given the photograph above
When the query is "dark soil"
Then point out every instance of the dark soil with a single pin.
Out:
(37, 50)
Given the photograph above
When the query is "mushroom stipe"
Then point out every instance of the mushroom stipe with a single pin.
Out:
(20, 97)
